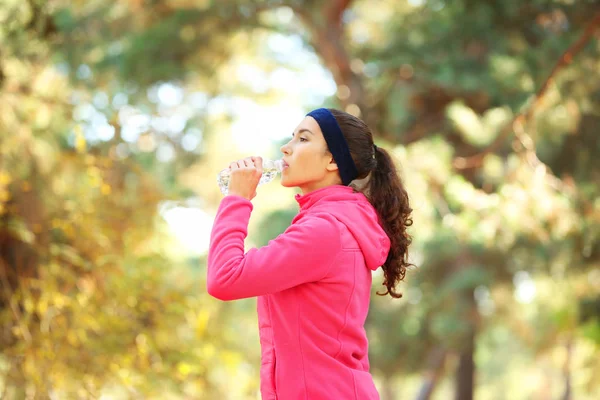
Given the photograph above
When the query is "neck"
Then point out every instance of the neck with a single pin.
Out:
(330, 180)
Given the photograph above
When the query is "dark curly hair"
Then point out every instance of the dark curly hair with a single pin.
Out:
(385, 191)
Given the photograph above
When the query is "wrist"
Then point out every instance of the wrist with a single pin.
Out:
(230, 193)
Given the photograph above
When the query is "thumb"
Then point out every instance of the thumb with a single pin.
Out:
(258, 163)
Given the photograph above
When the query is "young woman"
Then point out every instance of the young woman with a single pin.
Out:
(313, 281)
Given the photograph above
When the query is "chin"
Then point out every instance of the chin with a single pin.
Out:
(286, 182)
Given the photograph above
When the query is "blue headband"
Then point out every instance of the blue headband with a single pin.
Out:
(337, 144)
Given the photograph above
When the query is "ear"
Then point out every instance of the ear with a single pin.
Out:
(332, 166)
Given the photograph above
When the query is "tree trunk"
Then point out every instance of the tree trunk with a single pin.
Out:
(567, 395)
(434, 370)
(387, 392)
(465, 374)
(327, 38)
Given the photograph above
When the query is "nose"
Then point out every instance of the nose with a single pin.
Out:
(285, 149)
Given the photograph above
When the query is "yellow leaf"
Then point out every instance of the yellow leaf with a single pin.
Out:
(5, 178)
(4, 196)
(42, 306)
(201, 322)
(72, 338)
(80, 143)
(184, 368)
(28, 304)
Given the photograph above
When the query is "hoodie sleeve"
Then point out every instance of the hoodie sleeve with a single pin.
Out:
(303, 253)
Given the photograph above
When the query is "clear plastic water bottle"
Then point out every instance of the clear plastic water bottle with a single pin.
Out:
(270, 170)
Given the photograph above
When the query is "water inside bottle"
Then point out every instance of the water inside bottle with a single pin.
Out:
(270, 171)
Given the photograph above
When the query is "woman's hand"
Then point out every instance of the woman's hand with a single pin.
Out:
(245, 175)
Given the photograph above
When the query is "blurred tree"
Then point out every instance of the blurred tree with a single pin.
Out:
(89, 303)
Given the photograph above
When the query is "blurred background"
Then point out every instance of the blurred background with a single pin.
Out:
(115, 117)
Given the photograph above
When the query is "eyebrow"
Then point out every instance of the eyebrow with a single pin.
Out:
(303, 130)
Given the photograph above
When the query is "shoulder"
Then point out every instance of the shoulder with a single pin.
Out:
(322, 228)
(320, 221)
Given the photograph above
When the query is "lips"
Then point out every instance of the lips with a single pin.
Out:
(285, 164)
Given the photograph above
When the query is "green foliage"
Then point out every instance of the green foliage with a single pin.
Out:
(274, 225)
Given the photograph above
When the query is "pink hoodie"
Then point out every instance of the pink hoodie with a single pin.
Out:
(313, 283)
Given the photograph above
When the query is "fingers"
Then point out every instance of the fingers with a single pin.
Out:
(258, 163)
(248, 162)
(257, 160)
(244, 163)
(245, 177)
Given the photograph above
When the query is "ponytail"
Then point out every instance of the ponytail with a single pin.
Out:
(387, 194)
(385, 191)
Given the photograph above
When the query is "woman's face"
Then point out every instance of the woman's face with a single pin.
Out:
(310, 165)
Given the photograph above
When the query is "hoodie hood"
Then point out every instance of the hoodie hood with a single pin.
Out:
(356, 213)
